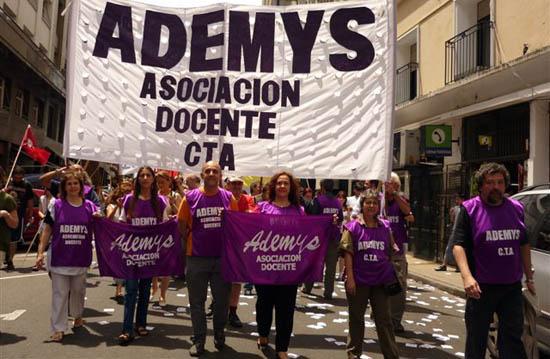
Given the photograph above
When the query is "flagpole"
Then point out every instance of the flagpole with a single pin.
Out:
(16, 157)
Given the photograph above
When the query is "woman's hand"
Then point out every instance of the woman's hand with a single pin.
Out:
(350, 286)
(335, 219)
(40, 261)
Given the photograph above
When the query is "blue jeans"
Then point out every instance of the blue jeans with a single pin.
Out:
(136, 289)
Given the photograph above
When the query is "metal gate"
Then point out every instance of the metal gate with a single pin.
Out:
(426, 185)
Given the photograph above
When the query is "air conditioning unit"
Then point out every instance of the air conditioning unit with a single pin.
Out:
(409, 153)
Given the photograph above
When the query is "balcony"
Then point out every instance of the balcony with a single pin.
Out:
(468, 52)
(406, 83)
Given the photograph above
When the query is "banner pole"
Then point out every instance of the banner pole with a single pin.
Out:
(16, 158)
(33, 240)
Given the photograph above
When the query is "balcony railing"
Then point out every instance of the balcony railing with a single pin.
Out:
(468, 52)
(406, 82)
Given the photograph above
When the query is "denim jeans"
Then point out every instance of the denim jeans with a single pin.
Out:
(136, 290)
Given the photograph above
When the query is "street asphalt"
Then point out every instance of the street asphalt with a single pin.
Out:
(434, 324)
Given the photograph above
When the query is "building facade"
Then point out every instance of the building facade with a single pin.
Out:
(32, 77)
(472, 85)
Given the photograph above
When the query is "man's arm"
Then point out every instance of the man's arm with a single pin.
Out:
(11, 218)
(527, 267)
(184, 215)
(52, 174)
(403, 204)
(461, 239)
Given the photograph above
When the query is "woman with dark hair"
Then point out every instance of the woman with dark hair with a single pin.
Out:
(141, 208)
(69, 223)
(367, 246)
(283, 200)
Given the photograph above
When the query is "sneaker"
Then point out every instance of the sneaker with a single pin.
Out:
(234, 320)
(219, 340)
(197, 349)
(441, 268)
(9, 266)
(327, 297)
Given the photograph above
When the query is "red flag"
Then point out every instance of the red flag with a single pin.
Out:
(36, 153)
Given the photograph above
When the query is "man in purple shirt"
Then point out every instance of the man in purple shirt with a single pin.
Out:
(326, 204)
(492, 252)
(398, 213)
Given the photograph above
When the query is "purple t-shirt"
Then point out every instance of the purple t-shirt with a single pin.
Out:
(398, 224)
(496, 234)
(329, 206)
(72, 234)
(271, 208)
(143, 213)
(206, 228)
(371, 261)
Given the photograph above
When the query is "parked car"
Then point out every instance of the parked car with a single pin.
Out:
(536, 203)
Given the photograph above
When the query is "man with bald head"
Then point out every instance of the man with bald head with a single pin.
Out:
(200, 222)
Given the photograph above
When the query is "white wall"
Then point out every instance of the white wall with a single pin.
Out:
(539, 147)
(29, 17)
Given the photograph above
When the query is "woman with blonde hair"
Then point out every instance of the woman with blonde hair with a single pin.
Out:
(69, 223)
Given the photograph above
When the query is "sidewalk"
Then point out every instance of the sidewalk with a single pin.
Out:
(423, 270)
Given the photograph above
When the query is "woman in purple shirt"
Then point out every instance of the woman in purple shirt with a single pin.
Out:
(143, 207)
(69, 222)
(283, 200)
(367, 246)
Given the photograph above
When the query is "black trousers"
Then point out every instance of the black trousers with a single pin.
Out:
(283, 299)
(507, 302)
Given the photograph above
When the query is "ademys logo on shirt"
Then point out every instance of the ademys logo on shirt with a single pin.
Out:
(502, 235)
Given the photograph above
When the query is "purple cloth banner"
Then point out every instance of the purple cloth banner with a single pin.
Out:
(134, 252)
(268, 249)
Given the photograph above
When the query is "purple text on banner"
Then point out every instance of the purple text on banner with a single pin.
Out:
(134, 252)
(268, 249)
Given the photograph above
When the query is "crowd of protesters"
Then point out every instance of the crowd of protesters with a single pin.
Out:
(361, 233)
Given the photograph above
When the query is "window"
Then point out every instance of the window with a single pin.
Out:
(19, 99)
(26, 101)
(61, 129)
(537, 220)
(5, 93)
(47, 12)
(37, 113)
(52, 122)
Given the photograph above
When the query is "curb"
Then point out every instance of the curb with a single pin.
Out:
(459, 292)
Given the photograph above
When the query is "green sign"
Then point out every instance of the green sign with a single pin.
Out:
(437, 140)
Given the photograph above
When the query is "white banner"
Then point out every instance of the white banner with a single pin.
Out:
(305, 88)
